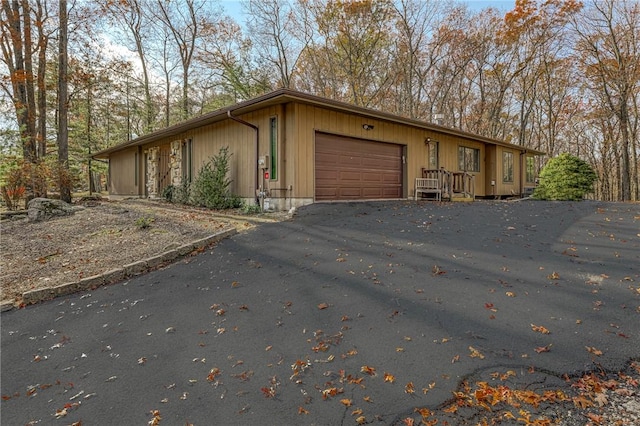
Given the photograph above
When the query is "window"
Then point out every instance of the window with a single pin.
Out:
(187, 151)
(530, 170)
(273, 151)
(468, 159)
(433, 155)
(507, 166)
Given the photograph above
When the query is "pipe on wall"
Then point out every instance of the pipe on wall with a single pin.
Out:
(255, 160)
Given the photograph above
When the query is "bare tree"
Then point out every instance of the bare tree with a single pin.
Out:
(17, 55)
(609, 52)
(63, 105)
(276, 40)
(131, 16)
(185, 20)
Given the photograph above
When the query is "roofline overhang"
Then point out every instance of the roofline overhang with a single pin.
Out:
(282, 96)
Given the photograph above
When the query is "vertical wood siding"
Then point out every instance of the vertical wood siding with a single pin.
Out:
(122, 179)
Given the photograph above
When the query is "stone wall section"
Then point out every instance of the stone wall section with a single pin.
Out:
(152, 171)
(175, 163)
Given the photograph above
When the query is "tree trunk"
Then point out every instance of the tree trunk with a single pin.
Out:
(63, 106)
(43, 42)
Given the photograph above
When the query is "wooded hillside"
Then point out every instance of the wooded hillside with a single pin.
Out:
(554, 75)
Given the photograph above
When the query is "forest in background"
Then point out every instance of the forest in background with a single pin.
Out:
(559, 76)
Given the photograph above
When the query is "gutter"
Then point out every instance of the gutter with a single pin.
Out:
(255, 162)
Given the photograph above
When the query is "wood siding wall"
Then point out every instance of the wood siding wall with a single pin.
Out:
(297, 124)
(307, 119)
(122, 173)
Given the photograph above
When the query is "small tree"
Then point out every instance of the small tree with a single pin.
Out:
(211, 187)
(565, 177)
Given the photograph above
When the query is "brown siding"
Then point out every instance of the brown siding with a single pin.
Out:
(122, 173)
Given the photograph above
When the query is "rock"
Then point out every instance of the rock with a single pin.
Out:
(44, 209)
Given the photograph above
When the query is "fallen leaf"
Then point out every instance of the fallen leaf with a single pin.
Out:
(475, 353)
(593, 350)
(346, 402)
(368, 370)
(510, 294)
(596, 418)
(541, 349)
(540, 329)
(301, 410)
(323, 306)
(553, 276)
(582, 402)
(213, 374)
(601, 399)
(361, 420)
(409, 388)
(389, 378)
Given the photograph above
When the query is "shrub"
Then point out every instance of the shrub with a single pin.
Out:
(167, 193)
(251, 209)
(210, 189)
(144, 222)
(180, 193)
(565, 177)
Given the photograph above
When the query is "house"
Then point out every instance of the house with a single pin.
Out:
(290, 149)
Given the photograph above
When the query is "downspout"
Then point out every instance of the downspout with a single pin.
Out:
(255, 162)
(523, 154)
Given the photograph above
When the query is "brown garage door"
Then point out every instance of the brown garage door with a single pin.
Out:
(352, 169)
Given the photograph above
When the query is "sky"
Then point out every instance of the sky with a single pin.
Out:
(234, 7)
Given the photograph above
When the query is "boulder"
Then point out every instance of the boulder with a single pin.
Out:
(40, 209)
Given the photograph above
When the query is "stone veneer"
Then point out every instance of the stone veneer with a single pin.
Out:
(152, 171)
(175, 163)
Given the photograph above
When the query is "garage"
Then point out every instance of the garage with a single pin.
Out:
(356, 169)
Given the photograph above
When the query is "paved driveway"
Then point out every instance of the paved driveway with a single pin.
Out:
(349, 313)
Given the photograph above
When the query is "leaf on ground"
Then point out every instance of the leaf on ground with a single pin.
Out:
(553, 276)
(323, 306)
(409, 388)
(475, 353)
(593, 350)
(541, 349)
(368, 370)
(582, 402)
(346, 402)
(540, 329)
(389, 378)
(601, 399)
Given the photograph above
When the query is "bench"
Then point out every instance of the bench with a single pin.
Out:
(428, 186)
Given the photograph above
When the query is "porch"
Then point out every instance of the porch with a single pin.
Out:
(438, 184)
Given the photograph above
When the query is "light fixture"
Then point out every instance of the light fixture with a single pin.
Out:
(367, 126)
(427, 141)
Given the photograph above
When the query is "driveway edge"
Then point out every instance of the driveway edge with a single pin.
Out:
(115, 275)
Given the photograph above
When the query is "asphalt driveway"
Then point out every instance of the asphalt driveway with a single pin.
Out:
(348, 313)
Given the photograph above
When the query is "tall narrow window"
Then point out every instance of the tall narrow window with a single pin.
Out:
(135, 169)
(273, 151)
(530, 170)
(433, 155)
(468, 159)
(507, 166)
(187, 152)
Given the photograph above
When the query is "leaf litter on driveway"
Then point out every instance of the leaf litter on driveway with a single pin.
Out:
(322, 345)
